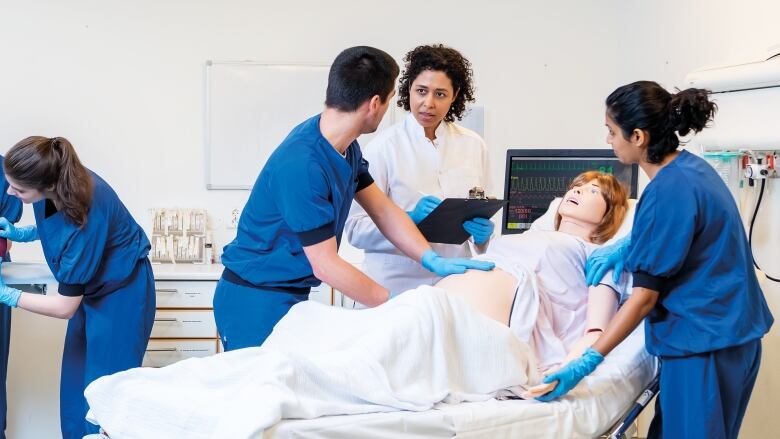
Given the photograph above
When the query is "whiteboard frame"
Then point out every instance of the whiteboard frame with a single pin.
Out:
(207, 111)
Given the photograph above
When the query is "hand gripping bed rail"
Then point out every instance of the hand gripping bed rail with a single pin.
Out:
(619, 432)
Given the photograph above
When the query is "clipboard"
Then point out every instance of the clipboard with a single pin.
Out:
(444, 225)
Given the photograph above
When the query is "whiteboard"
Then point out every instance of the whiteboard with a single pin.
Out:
(250, 108)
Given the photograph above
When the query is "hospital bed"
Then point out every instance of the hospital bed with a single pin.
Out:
(605, 404)
(597, 404)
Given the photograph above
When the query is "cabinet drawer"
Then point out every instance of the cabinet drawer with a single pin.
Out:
(161, 353)
(184, 324)
(184, 294)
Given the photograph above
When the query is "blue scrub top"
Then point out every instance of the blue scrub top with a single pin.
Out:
(689, 244)
(302, 197)
(99, 257)
(10, 206)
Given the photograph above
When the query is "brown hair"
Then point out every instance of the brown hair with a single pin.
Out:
(615, 196)
(46, 164)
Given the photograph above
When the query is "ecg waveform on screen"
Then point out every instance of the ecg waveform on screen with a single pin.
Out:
(562, 165)
(538, 184)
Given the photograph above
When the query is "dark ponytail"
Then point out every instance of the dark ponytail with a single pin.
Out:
(52, 165)
(647, 106)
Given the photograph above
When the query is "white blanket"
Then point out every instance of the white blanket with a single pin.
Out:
(419, 349)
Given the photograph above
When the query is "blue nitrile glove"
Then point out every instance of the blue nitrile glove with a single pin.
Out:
(571, 374)
(423, 208)
(18, 234)
(481, 229)
(9, 296)
(605, 258)
(446, 266)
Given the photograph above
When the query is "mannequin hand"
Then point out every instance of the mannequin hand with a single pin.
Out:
(481, 229)
(446, 266)
(423, 208)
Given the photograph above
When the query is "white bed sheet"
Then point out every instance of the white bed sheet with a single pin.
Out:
(588, 411)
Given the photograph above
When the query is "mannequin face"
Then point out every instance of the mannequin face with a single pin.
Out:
(583, 205)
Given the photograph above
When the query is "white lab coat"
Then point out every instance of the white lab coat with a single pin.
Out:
(406, 166)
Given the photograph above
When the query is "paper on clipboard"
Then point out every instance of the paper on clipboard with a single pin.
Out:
(445, 224)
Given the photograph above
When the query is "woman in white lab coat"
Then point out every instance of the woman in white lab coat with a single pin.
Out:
(422, 160)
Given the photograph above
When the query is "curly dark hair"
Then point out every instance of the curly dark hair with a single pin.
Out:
(438, 57)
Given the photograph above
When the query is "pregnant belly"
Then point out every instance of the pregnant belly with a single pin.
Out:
(489, 292)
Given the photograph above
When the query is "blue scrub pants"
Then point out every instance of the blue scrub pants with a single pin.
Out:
(107, 334)
(5, 339)
(705, 395)
(246, 316)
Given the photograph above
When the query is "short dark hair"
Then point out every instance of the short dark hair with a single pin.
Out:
(647, 106)
(444, 59)
(358, 74)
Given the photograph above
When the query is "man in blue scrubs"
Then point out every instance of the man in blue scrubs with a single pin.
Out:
(11, 209)
(290, 229)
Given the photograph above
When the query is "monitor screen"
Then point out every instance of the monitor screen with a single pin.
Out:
(534, 177)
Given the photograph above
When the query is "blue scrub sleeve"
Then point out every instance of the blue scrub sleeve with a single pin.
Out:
(10, 206)
(303, 197)
(82, 256)
(663, 231)
(364, 178)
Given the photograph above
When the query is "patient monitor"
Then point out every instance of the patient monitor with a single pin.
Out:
(535, 177)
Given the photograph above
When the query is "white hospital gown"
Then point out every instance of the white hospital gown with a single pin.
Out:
(550, 305)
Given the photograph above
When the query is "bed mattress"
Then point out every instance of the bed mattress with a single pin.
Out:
(586, 412)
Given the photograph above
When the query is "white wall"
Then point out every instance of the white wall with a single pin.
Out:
(124, 80)
(665, 39)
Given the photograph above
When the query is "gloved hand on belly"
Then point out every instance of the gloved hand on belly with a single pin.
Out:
(446, 266)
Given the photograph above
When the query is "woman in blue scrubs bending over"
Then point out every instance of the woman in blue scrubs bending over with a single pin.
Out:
(694, 282)
(98, 254)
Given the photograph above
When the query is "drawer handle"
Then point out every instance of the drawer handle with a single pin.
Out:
(162, 350)
(166, 319)
(166, 290)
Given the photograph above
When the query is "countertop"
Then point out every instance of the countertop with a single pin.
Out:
(187, 271)
(24, 273)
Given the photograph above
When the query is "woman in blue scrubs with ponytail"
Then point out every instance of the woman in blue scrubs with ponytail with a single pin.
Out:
(98, 254)
(694, 282)
(10, 209)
